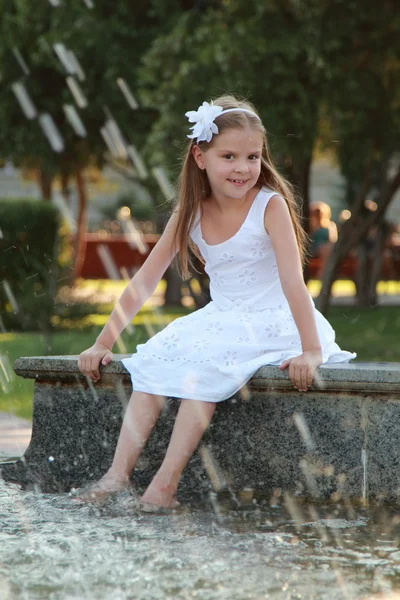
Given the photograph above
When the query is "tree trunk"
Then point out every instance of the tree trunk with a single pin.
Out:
(361, 275)
(45, 180)
(65, 176)
(376, 267)
(81, 226)
(351, 234)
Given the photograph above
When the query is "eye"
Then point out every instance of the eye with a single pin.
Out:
(254, 156)
(228, 156)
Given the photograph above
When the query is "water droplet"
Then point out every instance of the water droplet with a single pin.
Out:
(137, 161)
(76, 65)
(74, 120)
(113, 137)
(64, 57)
(10, 296)
(51, 132)
(164, 183)
(21, 61)
(77, 92)
(24, 99)
(129, 97)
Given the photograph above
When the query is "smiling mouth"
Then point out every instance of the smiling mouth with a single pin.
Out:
(237, 180)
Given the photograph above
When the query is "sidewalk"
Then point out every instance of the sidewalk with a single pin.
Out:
(15, 434)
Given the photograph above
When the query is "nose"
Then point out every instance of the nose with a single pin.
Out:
(241, 167)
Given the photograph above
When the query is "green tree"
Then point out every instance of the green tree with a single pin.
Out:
(362, 103)
(265, 51)
(108, 41)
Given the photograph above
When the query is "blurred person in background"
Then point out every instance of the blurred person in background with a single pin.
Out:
(323, 233)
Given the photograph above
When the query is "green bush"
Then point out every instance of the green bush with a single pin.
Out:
(30, 246)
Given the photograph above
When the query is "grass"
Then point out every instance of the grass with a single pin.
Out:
(373, 334)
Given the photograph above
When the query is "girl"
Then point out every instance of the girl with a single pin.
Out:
(239, 215)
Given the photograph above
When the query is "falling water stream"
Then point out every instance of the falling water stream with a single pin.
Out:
(241, 548)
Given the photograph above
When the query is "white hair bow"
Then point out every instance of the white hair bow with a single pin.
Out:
(203, 118)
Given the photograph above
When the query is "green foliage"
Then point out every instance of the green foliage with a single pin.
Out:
(108, 42)
(362, 88)
(140, 205)
(265, 51)
(29, 251)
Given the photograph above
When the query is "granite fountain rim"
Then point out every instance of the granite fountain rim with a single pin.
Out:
(367, 376)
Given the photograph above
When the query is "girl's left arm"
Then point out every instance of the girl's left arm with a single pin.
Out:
(279, 227)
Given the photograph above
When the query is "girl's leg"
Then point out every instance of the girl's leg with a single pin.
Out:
(140, 417)
(191, 422)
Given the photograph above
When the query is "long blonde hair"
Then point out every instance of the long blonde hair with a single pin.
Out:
(194, 187)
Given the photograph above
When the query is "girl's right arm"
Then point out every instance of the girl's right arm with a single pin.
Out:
(138, 290)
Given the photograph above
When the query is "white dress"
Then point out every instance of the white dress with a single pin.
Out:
(211, 353)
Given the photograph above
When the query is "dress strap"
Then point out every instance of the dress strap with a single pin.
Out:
(261, 203)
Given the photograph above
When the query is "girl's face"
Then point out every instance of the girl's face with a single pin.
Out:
(232, 162)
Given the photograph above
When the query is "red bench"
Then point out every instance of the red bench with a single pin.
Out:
(122, 252)
(106, 255)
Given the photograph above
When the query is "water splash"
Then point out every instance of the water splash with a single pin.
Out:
(24, 100)
(59, 201)
(109, 264)
(76, 92)
(51, 132)
(64, 57)
(76, 65)
(304, 431)
(129, 97)
(10, 296)
(21, 61)
(137, 161)
(116, 143)
(163, 182)
(135, 236)
(74, 119)
(6, 373)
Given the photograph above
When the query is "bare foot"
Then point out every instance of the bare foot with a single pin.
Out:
(99, 491)
(159, 496)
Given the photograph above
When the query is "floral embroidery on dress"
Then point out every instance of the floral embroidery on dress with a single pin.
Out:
(218, 278)
(245, 318)
(242, 340)
(214, 328)
(171, 341)
(247, 277)
(200, 345)
(258, 248)
(274, 269)
(273, 330)
(229, 258)
(230, 357)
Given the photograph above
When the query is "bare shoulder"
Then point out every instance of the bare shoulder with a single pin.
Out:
(276, 213)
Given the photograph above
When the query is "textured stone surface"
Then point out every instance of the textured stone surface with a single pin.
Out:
(382, 447)
(337, 440)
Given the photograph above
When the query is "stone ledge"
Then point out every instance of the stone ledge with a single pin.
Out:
(337, 441)
(343, 376)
